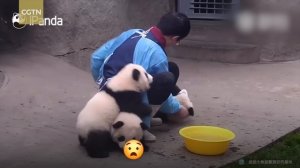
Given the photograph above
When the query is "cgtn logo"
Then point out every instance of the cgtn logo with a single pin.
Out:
(33, 17)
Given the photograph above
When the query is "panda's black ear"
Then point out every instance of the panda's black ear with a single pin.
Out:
(144, 126)
(118, 124)
(136, 74)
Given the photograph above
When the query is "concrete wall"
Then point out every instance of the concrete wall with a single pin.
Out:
(221, 41)
(88, 24)
(278, 46)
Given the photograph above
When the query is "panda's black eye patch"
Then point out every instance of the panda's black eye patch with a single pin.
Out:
(121, 139)
(136, 74)
(146, 75)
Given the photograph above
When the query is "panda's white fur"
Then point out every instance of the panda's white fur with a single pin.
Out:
(127, 126)
(98, 113)
(96, 118)
(123, 80)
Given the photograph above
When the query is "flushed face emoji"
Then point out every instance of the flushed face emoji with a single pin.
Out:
(133, 149)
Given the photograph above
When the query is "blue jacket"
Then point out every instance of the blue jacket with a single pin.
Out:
(133, 46)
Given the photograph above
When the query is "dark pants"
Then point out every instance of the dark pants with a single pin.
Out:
(163, 85)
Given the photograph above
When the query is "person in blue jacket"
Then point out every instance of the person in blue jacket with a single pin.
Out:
(146, 48)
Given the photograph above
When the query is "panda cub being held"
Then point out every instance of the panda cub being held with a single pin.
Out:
(123, 92)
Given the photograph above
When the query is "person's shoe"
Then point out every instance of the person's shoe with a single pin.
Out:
(162, 116)
(156, 122)
(149, 137)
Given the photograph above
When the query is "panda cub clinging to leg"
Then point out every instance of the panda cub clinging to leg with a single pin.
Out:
(127, 126)
(123, 92)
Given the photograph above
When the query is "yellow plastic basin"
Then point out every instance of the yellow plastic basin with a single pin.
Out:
(206, 140)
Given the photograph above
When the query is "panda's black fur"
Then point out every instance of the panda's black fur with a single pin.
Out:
(130, 101)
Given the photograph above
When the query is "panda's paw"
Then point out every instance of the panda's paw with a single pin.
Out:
(191, 111)
(185, 101)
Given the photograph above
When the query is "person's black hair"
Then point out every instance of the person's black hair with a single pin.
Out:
(174, 24)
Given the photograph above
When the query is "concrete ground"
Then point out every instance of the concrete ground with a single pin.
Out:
(42, 95)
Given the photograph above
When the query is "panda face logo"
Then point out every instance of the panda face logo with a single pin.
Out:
(16, 20)
(133, 149)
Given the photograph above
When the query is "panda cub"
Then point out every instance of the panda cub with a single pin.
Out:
(123, 92)
(127, 126)
(184, 100)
